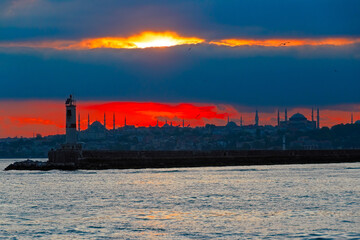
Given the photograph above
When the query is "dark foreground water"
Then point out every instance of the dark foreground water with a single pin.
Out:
(292, 201)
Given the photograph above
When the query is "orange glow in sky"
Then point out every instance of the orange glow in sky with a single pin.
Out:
(25, 118)
(146, 39)
(148, 113)
(142, 40)
(150, 39)
(291, 42)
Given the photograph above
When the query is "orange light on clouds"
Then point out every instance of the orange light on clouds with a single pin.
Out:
(293, 42)
(142, 40)
(148, 113)
(59, 44)
(149, 39)
(33, 121)
(146, 39)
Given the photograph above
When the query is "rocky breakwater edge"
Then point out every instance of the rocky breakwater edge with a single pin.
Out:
(42, 166)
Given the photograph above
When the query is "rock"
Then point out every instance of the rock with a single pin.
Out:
(38, 165)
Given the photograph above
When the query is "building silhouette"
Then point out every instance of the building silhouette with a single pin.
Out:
(256, 118)
(298, 122)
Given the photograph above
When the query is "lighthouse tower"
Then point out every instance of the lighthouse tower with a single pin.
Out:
(70, 121)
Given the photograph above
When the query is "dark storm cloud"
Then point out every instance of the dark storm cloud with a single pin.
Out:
(205, 74)
(80, 18)
(23, 19)
(252, 76)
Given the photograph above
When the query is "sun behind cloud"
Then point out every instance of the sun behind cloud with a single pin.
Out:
(151, 39)
(146, 39)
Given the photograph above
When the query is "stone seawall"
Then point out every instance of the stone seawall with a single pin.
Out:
(102, 159)
(168, 159)
(64, 155)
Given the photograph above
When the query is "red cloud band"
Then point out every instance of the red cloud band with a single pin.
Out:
(24, 118)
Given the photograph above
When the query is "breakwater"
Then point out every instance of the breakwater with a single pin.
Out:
(102, 159)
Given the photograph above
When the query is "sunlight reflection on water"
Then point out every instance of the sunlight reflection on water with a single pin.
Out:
(297, 201)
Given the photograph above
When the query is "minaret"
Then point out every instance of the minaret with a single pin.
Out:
(256, 118)
(88, 120)
(352, 118)
(286, 119)
(79, 129)
(312, 114)
(278, 118)
(114, 121)
(125, 122)
(157, 122)
(183, 123)
(228, 119)
(318, 118)
(241, 121)
(105, 120)
(70, 121)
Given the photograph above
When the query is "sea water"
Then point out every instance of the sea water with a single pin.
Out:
(252, 202)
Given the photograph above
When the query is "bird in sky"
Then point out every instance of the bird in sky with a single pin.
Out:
(284, 43)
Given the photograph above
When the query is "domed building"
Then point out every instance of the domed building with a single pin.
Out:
(231, 124)
(298, 122)
(95, 131)
(96, 126)
(297, 117)
(166, 125)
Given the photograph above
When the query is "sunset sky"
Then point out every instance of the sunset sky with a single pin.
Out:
(171, 60)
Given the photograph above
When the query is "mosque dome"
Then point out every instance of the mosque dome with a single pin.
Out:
(166, 125)
(298, 117)
(97, 125)
(231, 124)
(357, 122)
